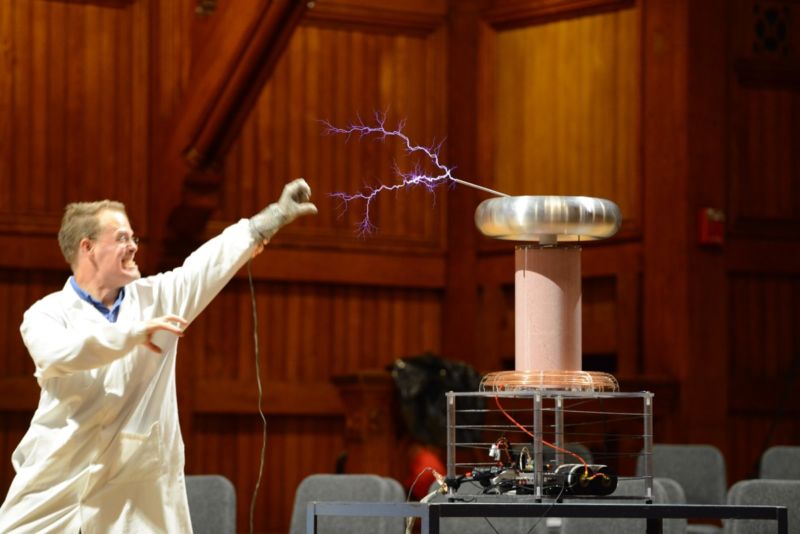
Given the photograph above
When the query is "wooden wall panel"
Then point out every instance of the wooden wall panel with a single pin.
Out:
(764, 369)
(566, 101)
(86, 90)
(296, 448)
(762, 205)
(764, 110)
(329, 302)
(764, 317)
(73, 124)
(765, 172)
(310, 332)
(18, 290)
(171, 26)
(343, 75)
(585, 97)
(6, 104)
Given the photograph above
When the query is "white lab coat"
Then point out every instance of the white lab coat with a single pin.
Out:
(104, 451)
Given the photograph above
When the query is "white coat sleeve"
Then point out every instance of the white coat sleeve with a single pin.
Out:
(188, 289)
(60, 350)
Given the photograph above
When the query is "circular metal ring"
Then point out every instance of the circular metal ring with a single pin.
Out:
(561, 380)
(548, 219)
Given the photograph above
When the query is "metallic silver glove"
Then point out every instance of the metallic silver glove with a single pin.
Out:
(294, 202)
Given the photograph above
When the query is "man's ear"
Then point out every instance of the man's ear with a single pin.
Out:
(85, 245)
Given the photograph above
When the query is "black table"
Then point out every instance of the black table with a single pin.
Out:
(431, 513)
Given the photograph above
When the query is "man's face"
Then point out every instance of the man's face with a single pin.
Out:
(113, 250)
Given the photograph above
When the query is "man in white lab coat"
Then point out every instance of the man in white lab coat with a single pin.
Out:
(104, 451)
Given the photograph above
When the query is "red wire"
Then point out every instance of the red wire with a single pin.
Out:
(551, 445)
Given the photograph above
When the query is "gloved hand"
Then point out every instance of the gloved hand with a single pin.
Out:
(293, 203)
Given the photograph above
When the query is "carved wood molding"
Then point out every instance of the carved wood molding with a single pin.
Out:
(284, 264)
(30, 224)
(517, 13)
(359, 16)
(101, 3)
(351, 268)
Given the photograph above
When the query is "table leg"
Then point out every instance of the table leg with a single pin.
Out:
(655, 525)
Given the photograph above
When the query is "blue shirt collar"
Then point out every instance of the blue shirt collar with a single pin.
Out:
(110, 314)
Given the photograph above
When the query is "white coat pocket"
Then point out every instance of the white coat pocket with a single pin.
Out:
(136, 457)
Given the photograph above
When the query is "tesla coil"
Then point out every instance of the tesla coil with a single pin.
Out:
(548, 429)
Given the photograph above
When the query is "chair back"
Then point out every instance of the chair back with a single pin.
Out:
(765, 492)
(699, 469)
(358, 488)
(212, 504)
(780, 462)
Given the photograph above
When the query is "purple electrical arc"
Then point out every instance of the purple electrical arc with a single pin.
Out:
(413, 178)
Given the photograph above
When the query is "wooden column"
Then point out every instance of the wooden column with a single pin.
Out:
(684, 282)
(706, 383)
(459, 326)
(666, 340)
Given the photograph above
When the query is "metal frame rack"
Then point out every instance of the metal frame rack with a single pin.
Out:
(553, 417)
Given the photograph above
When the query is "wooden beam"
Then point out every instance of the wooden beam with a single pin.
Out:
(228, 75)
(214, 122)
(666, 189)
(519, 13)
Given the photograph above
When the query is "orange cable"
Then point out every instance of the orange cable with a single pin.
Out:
(551, 445)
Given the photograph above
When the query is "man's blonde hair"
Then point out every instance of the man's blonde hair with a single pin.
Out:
(80, 220)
